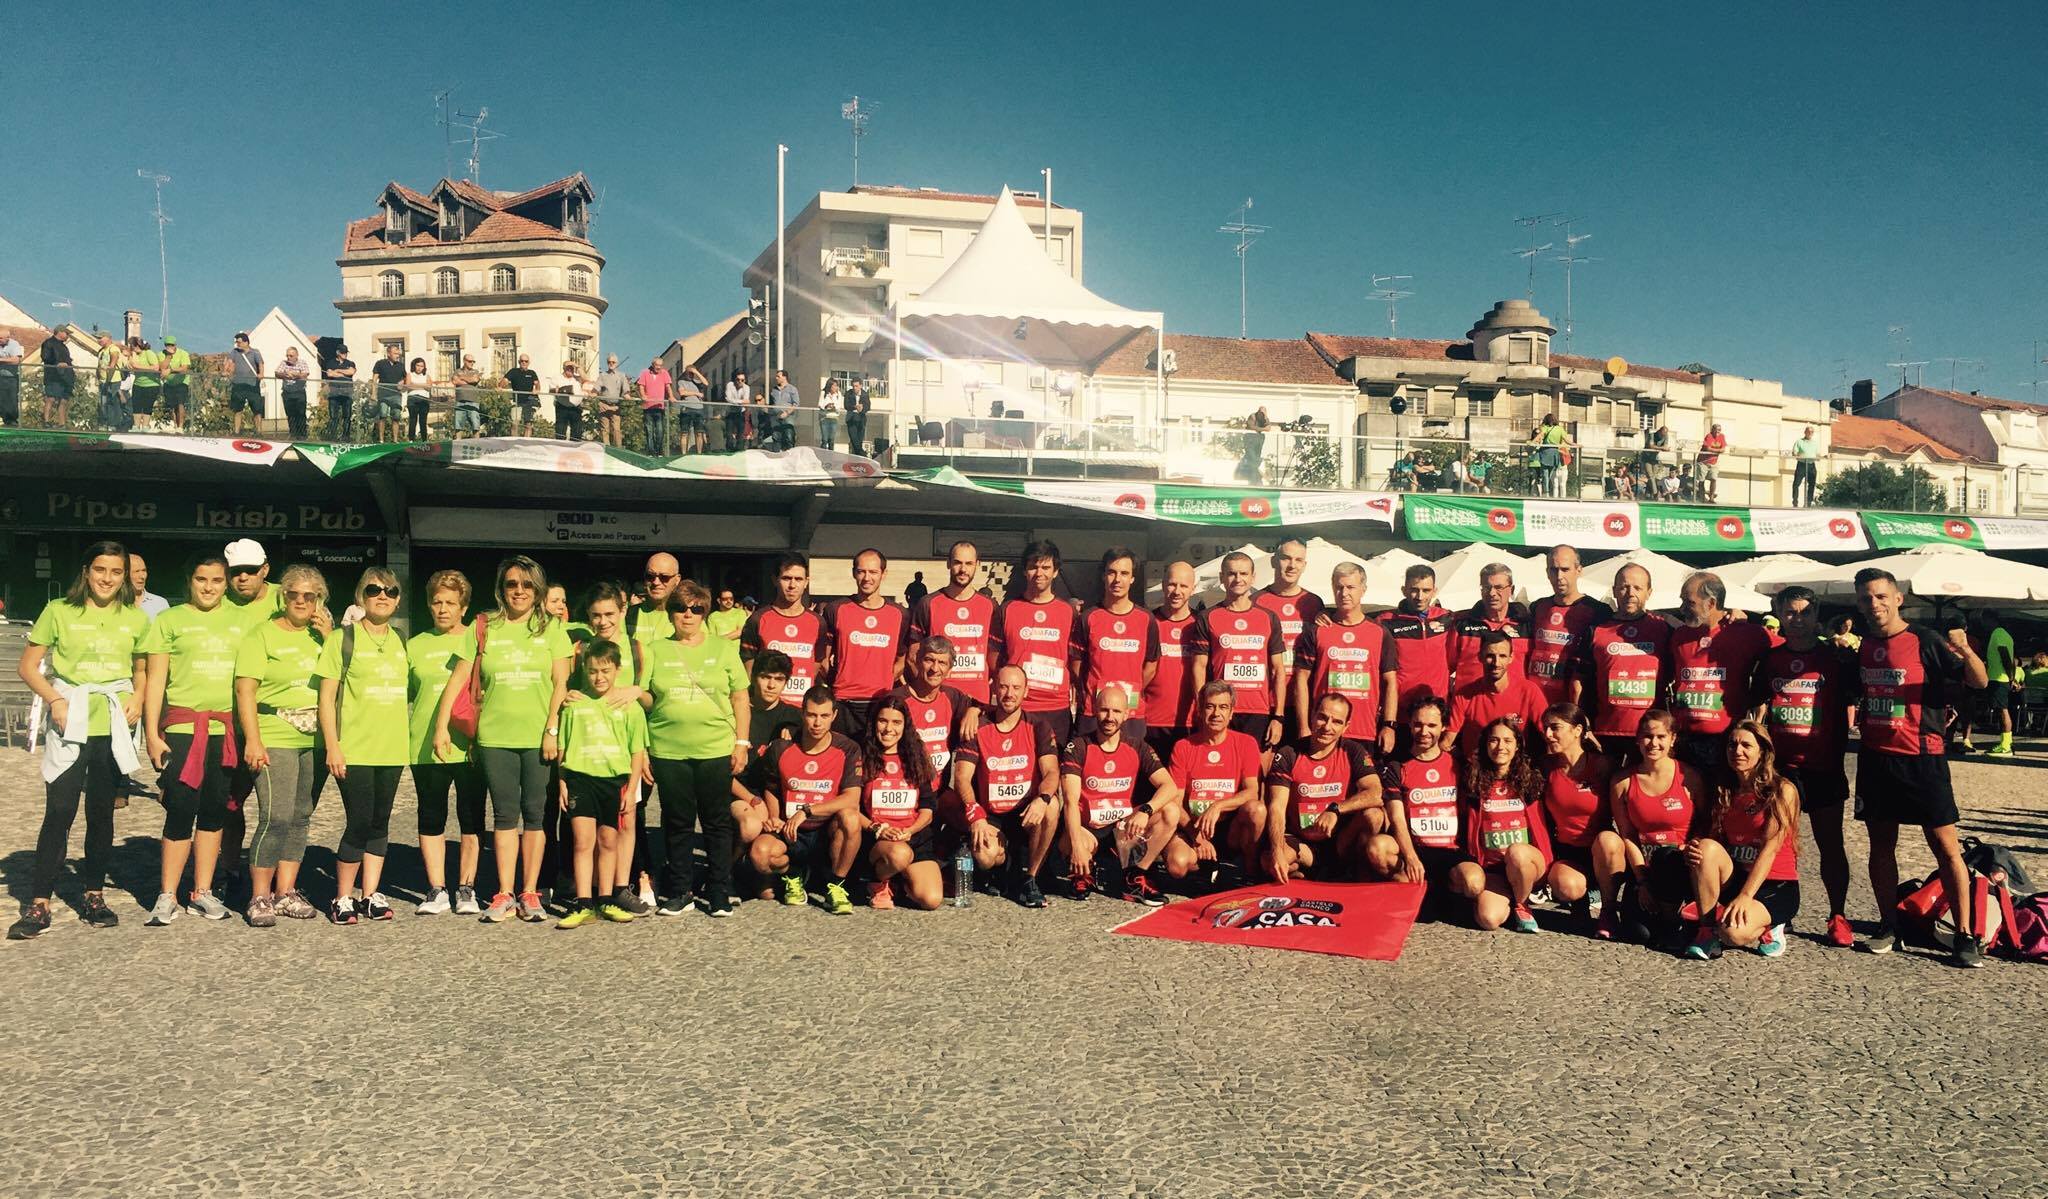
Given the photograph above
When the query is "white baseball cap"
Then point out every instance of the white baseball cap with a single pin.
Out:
(245, 552)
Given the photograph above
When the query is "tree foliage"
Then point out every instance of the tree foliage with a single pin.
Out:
(1885, 488)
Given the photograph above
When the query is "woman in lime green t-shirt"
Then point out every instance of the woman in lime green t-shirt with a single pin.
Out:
(91, 639)
(433, 656)
(363, 673)
(278, 710)
(524, 666)
(697, 713)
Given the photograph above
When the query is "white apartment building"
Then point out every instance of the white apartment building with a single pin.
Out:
(464, 270)
(1983, 428)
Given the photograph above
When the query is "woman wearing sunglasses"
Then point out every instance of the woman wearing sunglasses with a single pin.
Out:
(523, 665)
(697, 714)
(432, 656)
(363, 675)
(278, 710)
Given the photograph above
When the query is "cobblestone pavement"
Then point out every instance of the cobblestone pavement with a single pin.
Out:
(994, 1051)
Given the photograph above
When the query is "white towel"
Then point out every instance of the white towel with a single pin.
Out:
(61, 747)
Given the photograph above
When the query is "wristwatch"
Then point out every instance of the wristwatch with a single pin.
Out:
(741, 743)
(553, 731)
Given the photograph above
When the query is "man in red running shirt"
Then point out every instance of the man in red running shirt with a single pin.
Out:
(1909, 676)
(1807, 689)
(813, 790)
(788, 627)
(864, 636)
(1217, 770)
(1035, 633)
(962, 616)
(1558, 626)
(1170, 696)
(1624, 664)
(1285, 597)
(1238, 643)
(1496, 612)
(940, 714)
(1496, 695)
(1421, 632)
(1007, 780)
(1117, 643)
(1713, 660)
(1349, 655)
(1322, 800)
(1102, 775)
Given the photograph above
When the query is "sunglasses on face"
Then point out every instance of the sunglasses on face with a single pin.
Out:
(697, 609)
(518, 585)
(654, 577)
(302, 597)
(379, 591)
(240, 571)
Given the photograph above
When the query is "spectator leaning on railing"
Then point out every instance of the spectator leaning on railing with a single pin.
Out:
(108, 366)
(59, 378)
(785, 400)
(340, 374)
(655, 389)
(569, 405)
(737, 396)
(858, 405)
(146, 364)
(469, 407)
(419, 400)
(176, 366)
(693, 391)
(10, 379)
(829, 404)
(291, 381)
(245, 387)
(610, 388)
(387, 406)
(524, 383)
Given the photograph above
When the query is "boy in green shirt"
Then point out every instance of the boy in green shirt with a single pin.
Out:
(604, 762)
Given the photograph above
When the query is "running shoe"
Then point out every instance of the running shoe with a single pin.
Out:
(262, 912)
(1999, 751)
(1079, 886)
(1138, 889)
(644, 902)
(33, 923)
(96, 913)
(1772, 943)
(435, 904)
(1840, 935)
(719, 909)
(639, 905)
(1607, 927)
(793, 895)
(530, 909)
(837, 901)
(611, 911)
(342, 910)
(1028, 894)
(376, 907)
(465, 902)
(677, 905)
(881, 896)
(295, 905)
(577, 917)
(165, 911)
(1593, 904)
(1522, 920)
(1968, 953)
(1884, 940)
(1705, 947)
(500, 909)
(203, 903)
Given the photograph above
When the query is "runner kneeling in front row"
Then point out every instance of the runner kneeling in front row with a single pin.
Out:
(1217, 770)
(1654, 808)
(771, 724)
(1105, 823)
(1745, 870)
(1423, 844)
(1575, 803)
(1006, 780)
(1322, 801)
(896, 808)
(813, 789)
(1504, 830)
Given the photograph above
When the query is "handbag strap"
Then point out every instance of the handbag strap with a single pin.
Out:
(476, 669)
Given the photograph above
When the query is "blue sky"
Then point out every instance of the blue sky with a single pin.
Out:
(1771, 189)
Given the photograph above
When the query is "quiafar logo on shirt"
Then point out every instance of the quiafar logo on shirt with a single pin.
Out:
(1035, 633)
(1231, 641)
(1119, 645)
(869, 640)
(1114, 784)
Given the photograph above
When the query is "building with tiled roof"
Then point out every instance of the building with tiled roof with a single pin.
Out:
(2012, 434)
(460, 269)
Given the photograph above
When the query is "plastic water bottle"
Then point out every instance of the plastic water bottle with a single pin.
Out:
(963, 879)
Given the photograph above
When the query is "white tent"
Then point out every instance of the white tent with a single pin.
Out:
(1667, 578)
(1004, 299)
(1384, 574)
(1457, 575)
(1753, 573)
(1934, 572)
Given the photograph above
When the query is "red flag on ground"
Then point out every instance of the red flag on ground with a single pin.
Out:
(1358, 920)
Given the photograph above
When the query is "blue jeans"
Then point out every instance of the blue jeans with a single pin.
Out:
(113, 409)
(654, 432)
(828, 432)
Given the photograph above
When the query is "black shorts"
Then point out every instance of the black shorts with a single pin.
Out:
(1904, 789)
(1780, 896)
(1059, 722)
(1819, 786)
(851, 718)
(594, 798)
(1997, 696)
(1438, 862)
(1010, 825)
(923, 844)
(1578, 857)
(803, 847)
(1162, 741)
(1134, 731)
(245, 396)
(1254, 725)
(1704, 752)
(1670, 874)
(177, 396)
(689, 420)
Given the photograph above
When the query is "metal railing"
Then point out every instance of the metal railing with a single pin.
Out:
(854, 262)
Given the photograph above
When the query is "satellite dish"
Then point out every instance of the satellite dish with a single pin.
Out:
(1617, 366)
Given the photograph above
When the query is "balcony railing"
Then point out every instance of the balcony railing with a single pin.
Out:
(855, 262)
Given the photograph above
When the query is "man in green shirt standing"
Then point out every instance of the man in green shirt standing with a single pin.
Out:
(1805, 467)
(728, 618)
(177, 366)
(2002, 668)
(148, 366)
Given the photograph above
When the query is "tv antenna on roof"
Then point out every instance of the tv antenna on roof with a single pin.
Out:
(1528, 253)
(453, 118)
(1383, 289)
(163, 262)
(857, 115)
(1246, 233)
(1570, 257)
(1974, 364)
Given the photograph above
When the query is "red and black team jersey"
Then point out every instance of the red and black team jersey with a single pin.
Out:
(1477, 705)
(804, 780)
(798, 636)
(889, 797)
(1466, 628)
(1240, 646)
(966, 622)
(1296, 612)
(936, 721)
(1350, 660)
(1005, 765)
(1038, 639)
(1115, 648)
(1807, 695)
(1908, 679)
(1711, 669)
(1504, 817)
(1428, 791)
(1422, 649)
(865, 645)
(1627, 662)
(1209, 774)
(1557, 640)
(1314, 784)
(1741, 825)
(1110, 779)
(1170, 699)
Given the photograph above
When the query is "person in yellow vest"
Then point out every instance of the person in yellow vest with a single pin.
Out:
(148, 367)
(177, 395)
(107, 370)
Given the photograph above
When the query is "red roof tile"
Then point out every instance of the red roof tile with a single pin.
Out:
(410, 196)
(562, 184)
(1869, 434)
(919, 193)
(504, 226)
(1229, 359)
(482, 197)
(1986, 403)
(1335, 347)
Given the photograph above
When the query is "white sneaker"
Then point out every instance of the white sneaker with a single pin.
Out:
(165, 911)
(204, 904)
(435, 904)
(465, 902)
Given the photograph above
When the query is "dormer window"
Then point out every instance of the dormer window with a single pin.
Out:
(396, 227)
(451, 222)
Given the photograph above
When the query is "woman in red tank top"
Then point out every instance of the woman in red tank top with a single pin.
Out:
(1654, 810)
(1500, 793)
(896, 809)
(1745, 870)
(1575, 789)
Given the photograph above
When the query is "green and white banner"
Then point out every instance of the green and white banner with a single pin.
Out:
(1593, 525)
(1904, 530)
(1184, 503)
